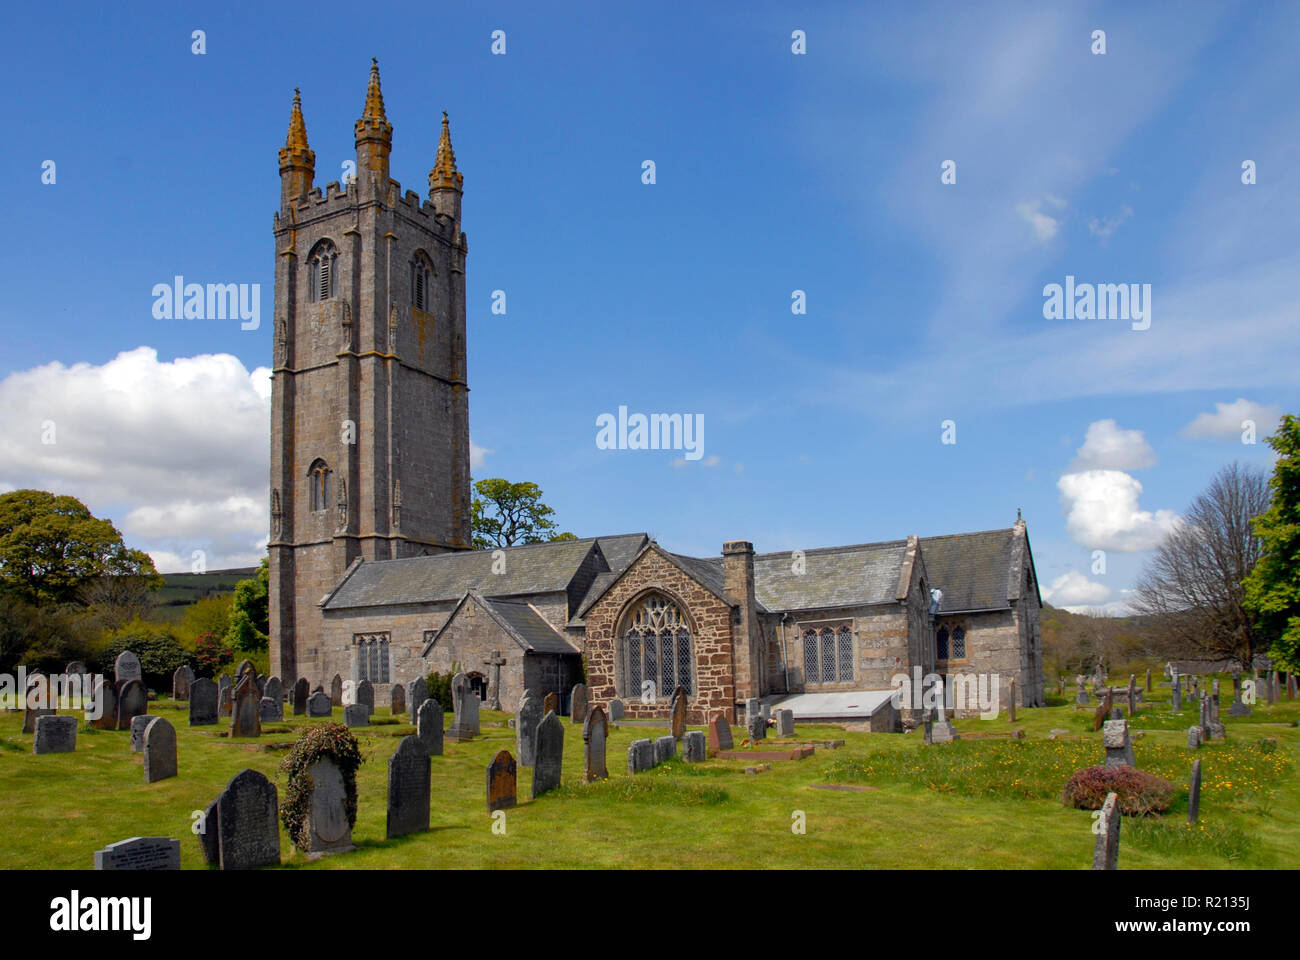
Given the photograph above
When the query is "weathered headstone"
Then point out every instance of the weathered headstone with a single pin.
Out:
(319, 705)
(578, 703)
(465, 703)
(356, 715)
(132, 701)
(1081, 693)
(665, 748)
(327, 817)
(55, 734)
(640, 756)
(1119, 749)
(245, 666)
(416, 693)
(159, 750)
(753, 708)
(275, 690)
(1238, 708)
(693, 747)
(1194, 793)
(140, 853)
(1011, 701)
(1105, 854)
(720, 733)
(203, 702)
(616, 709)
(248, 834)
(336, 689)
(301, 693)
(550, 703)
(428, 726)
(548, 759)
(785, 723)
(595, 733)
(677, 713)
(37, 694)
(127, 667)
(225, 695)
(270, 710)
(1290, 686)
(501, 781)
(397, 701)
(408, 788)
(138, 725)
(246, 712)
(526, 721)
(757, 727)
(181, 681)
(1177, 688)
(1195, 736)
(366, 694)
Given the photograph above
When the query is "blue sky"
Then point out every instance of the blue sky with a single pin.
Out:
(775, 172)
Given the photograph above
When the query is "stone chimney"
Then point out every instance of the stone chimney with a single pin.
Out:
(747, 635)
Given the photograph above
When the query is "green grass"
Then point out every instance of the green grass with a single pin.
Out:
(976, 803)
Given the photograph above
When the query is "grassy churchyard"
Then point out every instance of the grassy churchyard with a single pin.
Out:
(987, 802)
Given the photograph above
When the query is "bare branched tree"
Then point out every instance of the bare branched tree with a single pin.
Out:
(1191, 587)
(116, 601)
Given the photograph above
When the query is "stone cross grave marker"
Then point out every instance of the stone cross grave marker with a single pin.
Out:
(159, 750)
(248, 834)
(203, 702)
(501, 781)
(496, 662)
(428, 726)
(140, 853)
(595, 732)
(549, 759)
(526, 721)
(1105, 855)
(720, 733)
(408, 788)
(55, 734)
(578, 703)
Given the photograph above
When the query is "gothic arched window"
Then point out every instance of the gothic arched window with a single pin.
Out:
(656, 647)
(421, 283)
(371, 660)
(321, 270)
(318, 486)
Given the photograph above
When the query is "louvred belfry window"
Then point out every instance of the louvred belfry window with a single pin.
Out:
(656, 647)
(321, 268)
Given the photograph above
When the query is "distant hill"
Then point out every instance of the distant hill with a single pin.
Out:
(182, 589)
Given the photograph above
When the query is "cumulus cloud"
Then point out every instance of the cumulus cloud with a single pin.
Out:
(1228, 420)
(1102, 512)
(1045, 225)
(1107, 447)
(1074, 588)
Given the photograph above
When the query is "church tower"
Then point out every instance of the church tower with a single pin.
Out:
(369, 399)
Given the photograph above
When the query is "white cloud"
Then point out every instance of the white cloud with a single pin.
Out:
(1045, 227)
(1075, 588)
(1226, 422)
(477, 455)
(1104, 228)
(1102, 512)
(1107, 447)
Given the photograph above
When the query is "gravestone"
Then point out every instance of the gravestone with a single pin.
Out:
(275, 690)
(397, 701)
(1148, 679)
(356, 715)
(366, 694)
(225, 695)
(693, 747)
(616, 709)
(208, 834)
(665, 748)
(1238, 708)
(336, 689)
(753, 708)
(640, 756)
(203, 702)
(1081, 694)
(245, 666)
(246, 712)
(1119, 749)
(549, 757)
(428, 726)
(677, 713)
(1290, 686)
(720, 733)
(416, 693)
(578, 703)
(55, 734)
(1177, 687)
(159, 750)
(301, 692)
(927, 732)
(1194, 793)
(328, 830)
(1105, 855)
(550, 703)
(181, 681)
(408, 788)
(140, 853)
(132, 701)
(757, 727)
(1195, 737)
(501, 781)
(270, 710)
(941, 730)
(785, 723)
(138, 725)
(526, 721)
(318, 705)
(465, 703)
(1011, 702)
(595, 733)
(126, 667)
(248, 834)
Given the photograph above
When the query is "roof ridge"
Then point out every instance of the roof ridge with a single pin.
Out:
(782, 554)
(971, 533)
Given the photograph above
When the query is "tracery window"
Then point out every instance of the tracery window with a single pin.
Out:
(828, 655)
(371, 658)
(421, 283)
(656, 646)
(321, 270)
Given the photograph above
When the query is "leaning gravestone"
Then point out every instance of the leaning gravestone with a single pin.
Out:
(181, 681)
(366, 694)
(578, 703)
(203, 702)
(398, 703)
(665, 748)
(327, 817)
(720, 733)
(501, 781)
(159, 751)
(270, 710)
(55, 734)
(318, 705)
(246, 713)
(126, 667)
(408, 788)
(336, 689)
(301, 691)
(248, 834)
(640, 756)
(677, 713)
(428, 727)
(616, 709)
(356, 715)
(140, 853)
(465, 703)
(417, 691)
(595, 733)
(1105, 855)
(526, 721)
(1119, 749)
(1194, 794)
(138, 725)
(549, 756)
(693, 746)
(785, 723)
(132, 701)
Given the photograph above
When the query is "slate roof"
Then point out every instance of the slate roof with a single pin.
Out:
(534, 568)
(520, 621)
(864, 574)
(975, 571)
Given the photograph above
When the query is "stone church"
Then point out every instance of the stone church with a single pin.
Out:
(372, 575)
